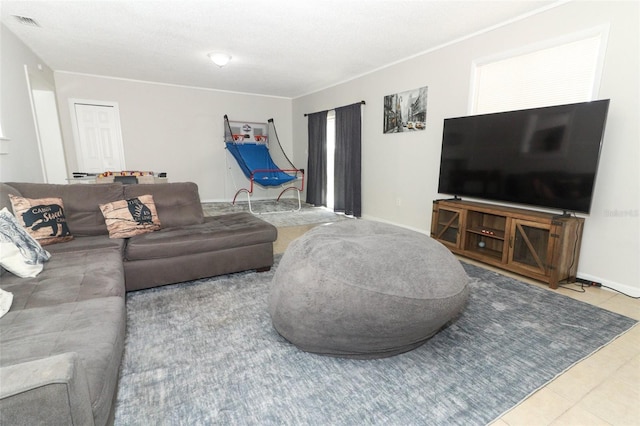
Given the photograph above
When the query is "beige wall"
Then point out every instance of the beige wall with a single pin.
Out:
(174, 129)
(403, 168)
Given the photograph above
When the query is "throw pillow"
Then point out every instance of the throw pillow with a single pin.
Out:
(13, 261)
(6, 299)
(43, 218)
(19, 252)
(126, 218)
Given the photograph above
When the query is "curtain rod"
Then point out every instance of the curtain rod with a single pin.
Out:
(361, 102)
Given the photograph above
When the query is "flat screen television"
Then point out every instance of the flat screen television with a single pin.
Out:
(545, 157)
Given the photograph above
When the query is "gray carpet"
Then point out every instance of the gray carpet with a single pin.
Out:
(278, 213)
(204, 352)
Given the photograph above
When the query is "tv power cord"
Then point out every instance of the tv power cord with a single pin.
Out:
(582, 283)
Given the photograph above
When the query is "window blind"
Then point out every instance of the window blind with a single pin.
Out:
(564, 73)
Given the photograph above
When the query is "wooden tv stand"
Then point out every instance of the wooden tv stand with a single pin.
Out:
(538, 245)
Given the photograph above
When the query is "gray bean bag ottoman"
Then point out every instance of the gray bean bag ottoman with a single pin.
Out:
(364, 289)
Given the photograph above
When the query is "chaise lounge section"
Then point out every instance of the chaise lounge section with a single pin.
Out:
(188, 246)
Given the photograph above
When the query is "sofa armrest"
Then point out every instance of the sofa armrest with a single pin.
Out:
(52, 390)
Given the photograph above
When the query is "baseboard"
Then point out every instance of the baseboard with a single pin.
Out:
(377, 219)
(612, 285)
(217, 200)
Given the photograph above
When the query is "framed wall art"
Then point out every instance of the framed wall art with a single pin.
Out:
(405, 111)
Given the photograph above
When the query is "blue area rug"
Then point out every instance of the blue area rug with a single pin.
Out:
(204, 352)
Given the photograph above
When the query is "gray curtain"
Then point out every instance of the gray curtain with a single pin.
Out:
(347, 193)
(317, 163)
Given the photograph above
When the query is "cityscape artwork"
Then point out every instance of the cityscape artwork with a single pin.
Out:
(406, 111)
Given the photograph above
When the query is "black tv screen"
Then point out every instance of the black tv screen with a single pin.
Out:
(545, 157)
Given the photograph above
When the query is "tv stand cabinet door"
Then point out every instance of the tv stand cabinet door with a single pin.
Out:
(445, 226)
(531, 248)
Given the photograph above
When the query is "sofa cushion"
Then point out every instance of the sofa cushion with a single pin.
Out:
(81, 202)
(12, 260)
(43, 218)
(94, 329)
(178, 203)
(216, 233)
(135, 216)
(69, 277)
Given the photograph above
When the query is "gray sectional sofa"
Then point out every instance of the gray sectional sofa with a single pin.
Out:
(62, 341)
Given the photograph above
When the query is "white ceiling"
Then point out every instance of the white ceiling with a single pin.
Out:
(281, 48)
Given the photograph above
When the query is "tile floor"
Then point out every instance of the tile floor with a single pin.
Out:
(603, 389)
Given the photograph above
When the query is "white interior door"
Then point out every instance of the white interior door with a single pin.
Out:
(98, 139)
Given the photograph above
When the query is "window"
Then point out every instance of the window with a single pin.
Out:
(558, 72)
(331, 149)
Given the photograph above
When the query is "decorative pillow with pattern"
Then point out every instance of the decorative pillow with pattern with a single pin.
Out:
(43, 218)
(20, 253)
(126, 218)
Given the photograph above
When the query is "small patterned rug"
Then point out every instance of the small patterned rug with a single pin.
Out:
(278, 213)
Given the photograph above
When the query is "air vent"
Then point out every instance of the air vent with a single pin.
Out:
(26, 21)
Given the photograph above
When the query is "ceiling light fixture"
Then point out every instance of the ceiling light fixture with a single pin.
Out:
(220, 58)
